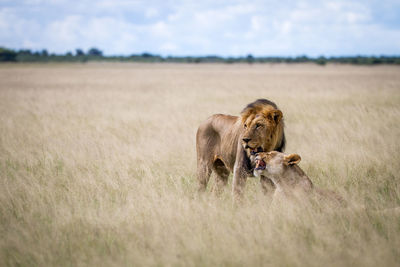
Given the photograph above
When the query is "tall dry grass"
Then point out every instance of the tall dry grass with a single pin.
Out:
(97, 166)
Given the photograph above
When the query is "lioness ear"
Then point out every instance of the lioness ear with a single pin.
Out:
(291, 159)
(275, 115)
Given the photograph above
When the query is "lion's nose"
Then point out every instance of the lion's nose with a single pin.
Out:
(246, 140)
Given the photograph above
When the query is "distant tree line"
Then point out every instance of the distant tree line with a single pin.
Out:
(94, 54)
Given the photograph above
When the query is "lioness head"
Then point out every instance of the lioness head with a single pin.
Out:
(274, 164)
(263, 127)
(282, 169)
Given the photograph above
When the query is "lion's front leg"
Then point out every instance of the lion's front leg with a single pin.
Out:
(239, 182)
(240, 173)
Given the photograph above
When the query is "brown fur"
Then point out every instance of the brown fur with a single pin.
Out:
(287, 176)
(221, 149)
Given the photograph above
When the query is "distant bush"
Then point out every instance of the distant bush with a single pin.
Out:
(7, 55)
(95, 54)
(79, 52)
(321, 61)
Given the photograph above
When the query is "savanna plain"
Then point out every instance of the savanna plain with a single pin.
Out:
(98, 166)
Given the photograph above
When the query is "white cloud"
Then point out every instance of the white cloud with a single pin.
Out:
(159, 29)
(16, 31)
(353, 17)
(169, 47)
(256, 23)
(286, 27)
(5, 16)
(207, 27)
(67, 30)
(110, 34)
(151, 12)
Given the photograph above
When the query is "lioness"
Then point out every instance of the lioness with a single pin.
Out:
(287, 176)
(226, 143)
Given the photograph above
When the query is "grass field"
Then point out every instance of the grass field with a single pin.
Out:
(98, 164)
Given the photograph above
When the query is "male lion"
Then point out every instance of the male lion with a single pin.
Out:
(288, 177)
(227, 144)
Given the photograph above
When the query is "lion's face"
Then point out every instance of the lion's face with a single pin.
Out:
(259, 129)
(273, 164)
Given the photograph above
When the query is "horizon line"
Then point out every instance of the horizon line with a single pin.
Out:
(152, 54)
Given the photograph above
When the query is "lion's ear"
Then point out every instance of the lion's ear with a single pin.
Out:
(275, 115)
(291, 159)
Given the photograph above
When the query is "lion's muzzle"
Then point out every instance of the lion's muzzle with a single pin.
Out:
(260, 164)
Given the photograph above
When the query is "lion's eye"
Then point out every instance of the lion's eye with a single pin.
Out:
(258, 126)
(245, 126)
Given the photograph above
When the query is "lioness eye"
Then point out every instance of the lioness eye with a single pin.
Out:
(245, 125)
(258, 126)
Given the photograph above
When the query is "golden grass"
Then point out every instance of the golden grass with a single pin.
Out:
(97, 166)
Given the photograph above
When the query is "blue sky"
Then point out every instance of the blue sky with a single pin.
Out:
(226, 28)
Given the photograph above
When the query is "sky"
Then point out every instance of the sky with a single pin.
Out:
(204, 27)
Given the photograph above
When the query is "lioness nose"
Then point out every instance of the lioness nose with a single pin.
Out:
(246, 140)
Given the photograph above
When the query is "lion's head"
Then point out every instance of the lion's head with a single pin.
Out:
(274, 163)
(263, 127)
